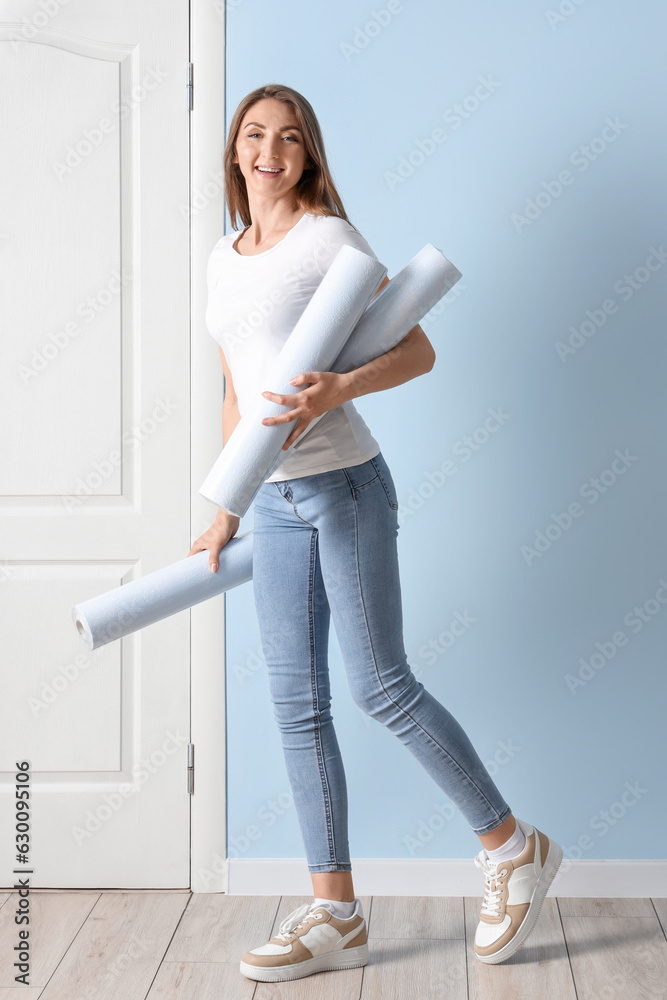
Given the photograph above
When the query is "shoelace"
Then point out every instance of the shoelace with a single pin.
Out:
(491, 903)
(293, 919)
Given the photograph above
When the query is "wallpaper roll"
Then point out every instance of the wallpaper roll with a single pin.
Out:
(390, 316)
(400, 305)
(162, 593)
(318, 336)
(386, 320)
(393, 312)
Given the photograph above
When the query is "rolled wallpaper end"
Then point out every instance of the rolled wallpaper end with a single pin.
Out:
(162, 593)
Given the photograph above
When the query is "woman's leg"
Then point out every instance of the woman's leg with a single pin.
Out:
(293, 615)
(497, 837)
(333, 885)
(357, 527)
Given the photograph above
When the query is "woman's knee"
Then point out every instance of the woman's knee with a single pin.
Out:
(382, 702)
(298, 716)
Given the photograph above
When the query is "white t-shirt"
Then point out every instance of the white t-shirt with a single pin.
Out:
(254, 302)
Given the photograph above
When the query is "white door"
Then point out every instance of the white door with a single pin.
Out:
(95, 469)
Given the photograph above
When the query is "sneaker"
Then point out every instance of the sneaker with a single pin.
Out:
(513, 894)
(310, 939)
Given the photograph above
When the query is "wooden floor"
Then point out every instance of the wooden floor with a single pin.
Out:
(173, 945)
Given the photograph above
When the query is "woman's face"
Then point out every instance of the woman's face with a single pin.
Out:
(269, 136)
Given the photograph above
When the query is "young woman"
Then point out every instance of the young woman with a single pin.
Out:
(324, 544)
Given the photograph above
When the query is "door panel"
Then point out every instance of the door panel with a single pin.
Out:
(95, 397)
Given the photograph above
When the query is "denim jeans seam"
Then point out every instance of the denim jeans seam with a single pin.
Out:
(502, 816)
(297, 513)
(294, 508)
(313, 674)
(340, 867)
(358, 486)
(394, 506)
(464, 773)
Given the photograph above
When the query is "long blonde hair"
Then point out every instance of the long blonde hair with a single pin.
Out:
(315, 190)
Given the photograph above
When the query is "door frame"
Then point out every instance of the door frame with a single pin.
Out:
(209, 864)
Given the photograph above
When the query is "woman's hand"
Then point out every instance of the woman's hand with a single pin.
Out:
(328, 390)
(216, 537)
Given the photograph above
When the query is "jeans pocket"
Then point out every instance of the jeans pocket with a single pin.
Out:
(387, 481)
(358, 487)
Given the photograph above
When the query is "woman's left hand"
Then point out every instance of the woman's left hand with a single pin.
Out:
(325, 393)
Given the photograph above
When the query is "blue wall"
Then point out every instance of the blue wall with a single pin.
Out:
(545, 186)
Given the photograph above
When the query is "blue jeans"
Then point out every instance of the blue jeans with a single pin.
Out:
(323, 545)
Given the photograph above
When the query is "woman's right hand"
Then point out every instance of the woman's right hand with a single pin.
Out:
(216, 537)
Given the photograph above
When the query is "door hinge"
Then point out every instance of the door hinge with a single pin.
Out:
(191, 768)
(190, 88)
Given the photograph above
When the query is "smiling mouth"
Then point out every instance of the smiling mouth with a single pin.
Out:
(269, 170)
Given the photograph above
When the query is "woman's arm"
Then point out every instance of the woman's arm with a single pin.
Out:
(230, 406)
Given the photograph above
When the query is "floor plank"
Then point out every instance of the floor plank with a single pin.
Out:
(200, 981)
(19, 992)
(119, 948)
(416, 917)
(106, 890)
(406, 969)
(582, 906)
(660, 906)
(55, 920)
(616, 958)
(220, 928)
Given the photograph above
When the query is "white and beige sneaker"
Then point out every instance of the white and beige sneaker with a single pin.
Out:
(310, 939)
(513, 894)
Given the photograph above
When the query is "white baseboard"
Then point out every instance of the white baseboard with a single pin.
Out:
(427, 877)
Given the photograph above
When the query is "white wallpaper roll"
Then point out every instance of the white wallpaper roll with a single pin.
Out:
(398, 307)
(320, 333)
(387, 319)
(162, 593)
(394, 311)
